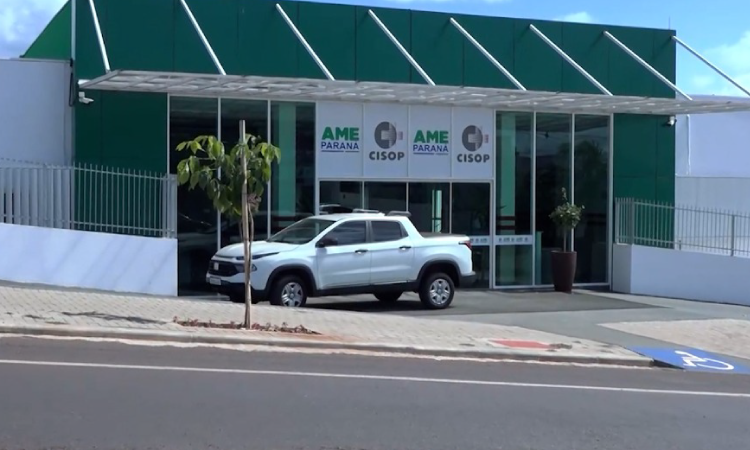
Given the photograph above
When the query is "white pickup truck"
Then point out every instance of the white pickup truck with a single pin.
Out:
(346, 254)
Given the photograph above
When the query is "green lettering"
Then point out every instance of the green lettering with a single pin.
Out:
(419, 138)
(433, 136)
(328, 134)
(444, 137)
(354, 133)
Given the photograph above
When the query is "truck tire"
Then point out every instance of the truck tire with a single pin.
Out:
(289, 291)
(436, 290)
(388, 297)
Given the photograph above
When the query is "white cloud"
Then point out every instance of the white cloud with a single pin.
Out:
(732, 58)
(580, 17)
(21, 21)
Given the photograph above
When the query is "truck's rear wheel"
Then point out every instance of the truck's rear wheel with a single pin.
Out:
(289, 291)
(388, 297)
(436, 291)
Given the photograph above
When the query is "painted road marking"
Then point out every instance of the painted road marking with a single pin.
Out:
(372, 377)
(511, 343)
(692, 359)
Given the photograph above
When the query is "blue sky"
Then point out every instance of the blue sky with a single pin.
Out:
(720, 29)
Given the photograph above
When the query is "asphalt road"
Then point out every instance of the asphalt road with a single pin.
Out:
(84, 395)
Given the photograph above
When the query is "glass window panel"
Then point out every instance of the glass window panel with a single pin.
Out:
(591, 159)
(293, 178)
(196, 217)
(513, 263)
(471, 216)
(385, 197)
(387, 231)
(429, 205)
(254, 113)
(349, 233)
(553, 139)
(340, 196)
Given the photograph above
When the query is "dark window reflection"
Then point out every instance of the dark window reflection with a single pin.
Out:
(471, 216)
(591, 159)
(254, 113)
(293, 178)
(553, 139)
(429, 205)
(196, 217)
(340, 196)
(385, 197)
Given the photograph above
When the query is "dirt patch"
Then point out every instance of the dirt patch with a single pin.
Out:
(268, 327)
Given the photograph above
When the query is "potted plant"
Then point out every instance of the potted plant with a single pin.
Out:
(566, 216)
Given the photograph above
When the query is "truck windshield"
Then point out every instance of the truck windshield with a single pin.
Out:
(301, 232)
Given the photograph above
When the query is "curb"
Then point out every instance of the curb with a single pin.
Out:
(205, 338)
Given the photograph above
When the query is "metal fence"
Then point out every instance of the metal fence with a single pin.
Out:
(705, 230)
(88, 198)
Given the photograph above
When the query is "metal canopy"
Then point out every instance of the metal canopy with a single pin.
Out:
(255, 87)
(331, 89)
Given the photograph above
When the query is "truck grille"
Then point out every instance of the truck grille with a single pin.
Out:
(222, 269)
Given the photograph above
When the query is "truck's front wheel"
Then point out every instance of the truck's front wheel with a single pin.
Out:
(289, 291)
(436, 291)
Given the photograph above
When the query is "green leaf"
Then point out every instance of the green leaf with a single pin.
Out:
(181, 146)
(183, 177)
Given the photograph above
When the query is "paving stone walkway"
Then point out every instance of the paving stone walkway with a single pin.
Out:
(35, 307)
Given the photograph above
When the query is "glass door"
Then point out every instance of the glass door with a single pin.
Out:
(384, 196)
(470, 215)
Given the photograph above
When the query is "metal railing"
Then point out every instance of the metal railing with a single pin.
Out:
(88, 198)
(706, 230)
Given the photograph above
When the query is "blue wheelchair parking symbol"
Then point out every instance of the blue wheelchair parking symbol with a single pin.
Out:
(692, 359)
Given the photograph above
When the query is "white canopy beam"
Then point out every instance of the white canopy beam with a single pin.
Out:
(646, 65)
(487, 54)
(304, 43)
(710, 64)
(99, 37)
(203, 38)
(401, 48)
(570, 60)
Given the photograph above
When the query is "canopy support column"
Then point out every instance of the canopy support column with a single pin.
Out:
(99, 37)
(646, 65)
(570, 60)
(710, 64)
(401, 48)
(487, 54)
(203, 38)
(304, 43)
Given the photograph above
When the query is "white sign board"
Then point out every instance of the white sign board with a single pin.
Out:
(429, 142)
(383, 140)
(473, 143)
(386, 128)
(338, 140)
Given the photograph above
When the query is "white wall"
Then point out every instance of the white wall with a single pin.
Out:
(681, 274)
(35, 119)
(89, 260)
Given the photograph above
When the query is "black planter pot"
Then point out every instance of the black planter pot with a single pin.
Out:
(563, 270)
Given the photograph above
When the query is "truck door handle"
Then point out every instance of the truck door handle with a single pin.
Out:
(405, 247)
(360, 251)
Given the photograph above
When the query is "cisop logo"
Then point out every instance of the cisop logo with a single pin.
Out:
(386, 136)
(472, 140)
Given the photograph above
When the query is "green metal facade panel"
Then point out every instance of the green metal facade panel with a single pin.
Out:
(251, 38)
(54, 42)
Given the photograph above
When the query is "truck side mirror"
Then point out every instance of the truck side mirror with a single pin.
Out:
(326, 242)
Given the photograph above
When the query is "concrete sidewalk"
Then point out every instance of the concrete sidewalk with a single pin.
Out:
(42, 311)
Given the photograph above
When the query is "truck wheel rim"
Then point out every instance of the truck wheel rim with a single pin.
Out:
(440, 292)
(291, 295)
